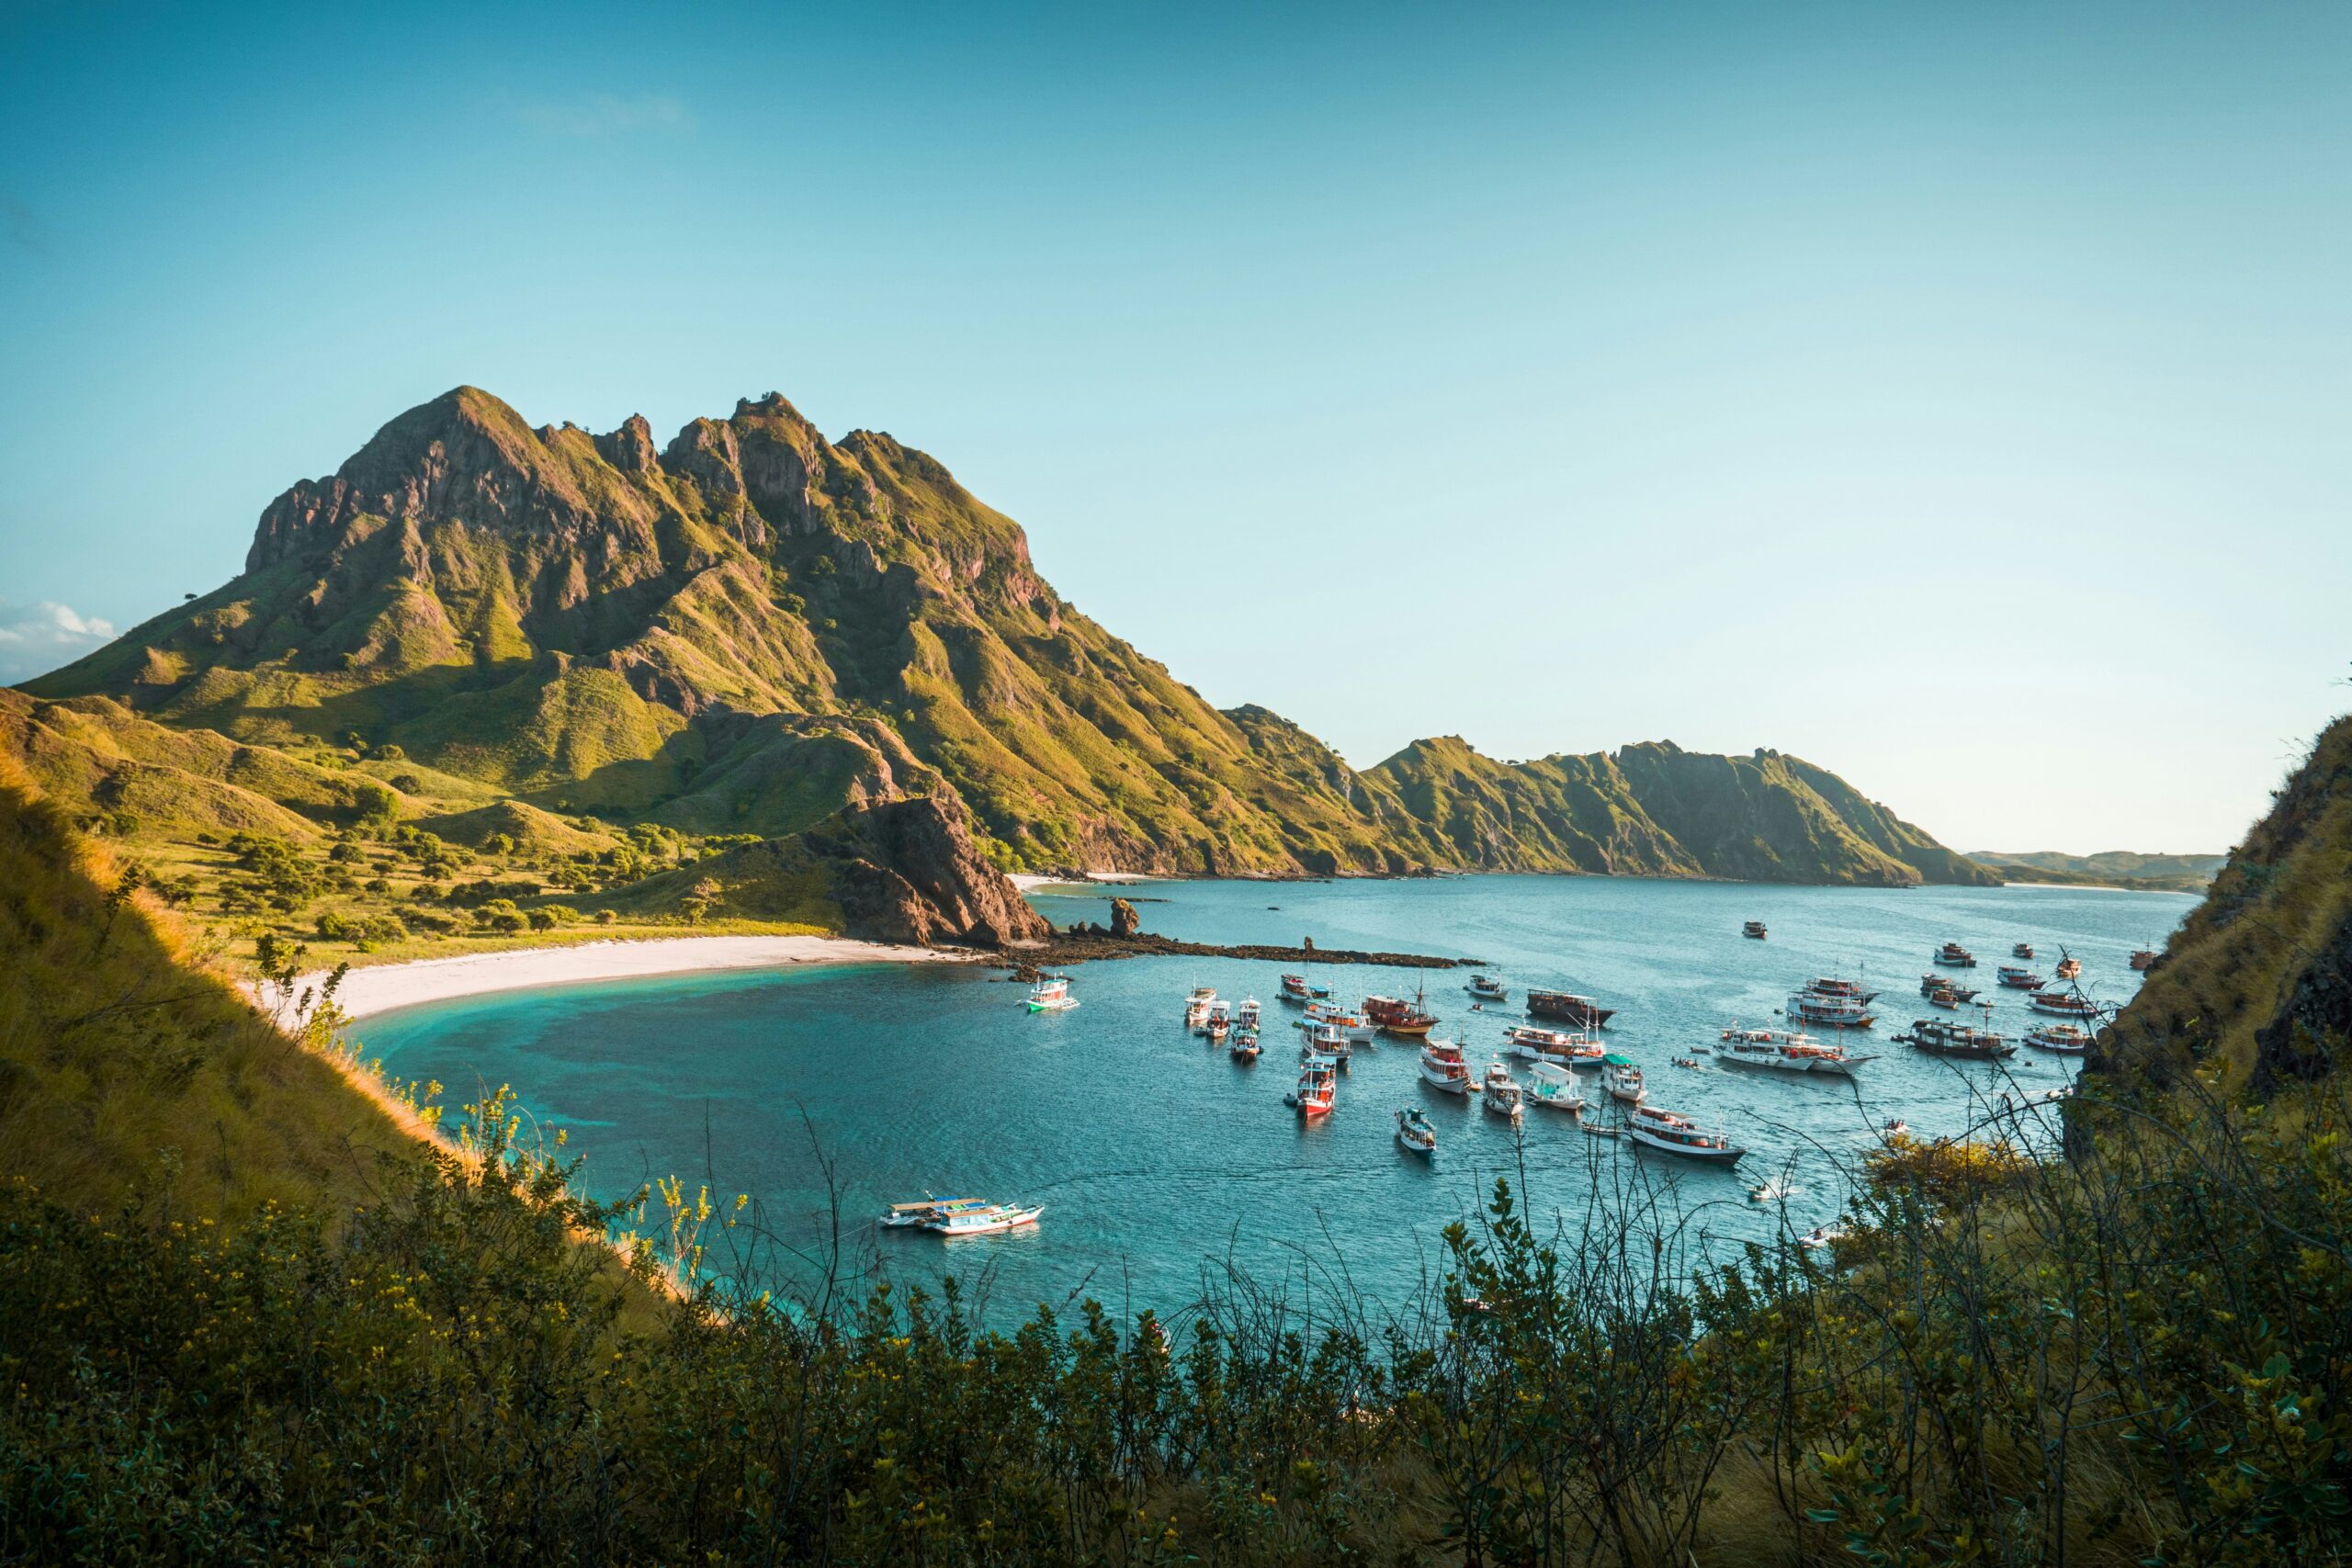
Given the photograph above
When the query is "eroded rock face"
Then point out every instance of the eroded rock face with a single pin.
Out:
(907, 871)
(1124, 922)
(2316, 1022)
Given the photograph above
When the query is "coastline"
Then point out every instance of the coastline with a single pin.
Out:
(383, 988)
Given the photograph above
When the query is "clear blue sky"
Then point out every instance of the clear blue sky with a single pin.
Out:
(1955, 395)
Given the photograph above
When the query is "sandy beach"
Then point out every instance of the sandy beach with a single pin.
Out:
(390, 986)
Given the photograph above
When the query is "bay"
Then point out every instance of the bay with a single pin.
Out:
(824, 1093)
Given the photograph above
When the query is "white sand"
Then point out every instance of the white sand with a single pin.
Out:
(390, 986)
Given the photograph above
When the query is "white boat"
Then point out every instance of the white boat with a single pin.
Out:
(2065, 1039)
(1413, 1131)
(1781, 1051)
(1487, 988)
(1832, 1004)
(1197, 1005)
(1051, 993)
(1553, 1087)
(922, 1212)
(1443, 1066)
(1771, 1191)
(1553, 1045)
(1823, 1235)
(1327, 1040)
(1621, 1079)
(987, 1219)
(1500, 1095)
(1668, 1133)
(1357, 1028)
(1245, 1016)
(2016, 977)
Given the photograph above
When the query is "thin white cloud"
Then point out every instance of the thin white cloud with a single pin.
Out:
(604, 114)
(36, 638)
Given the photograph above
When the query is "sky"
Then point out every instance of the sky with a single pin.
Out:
(1952, 395)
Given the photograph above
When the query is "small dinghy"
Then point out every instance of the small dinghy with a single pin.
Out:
(1413, 1131)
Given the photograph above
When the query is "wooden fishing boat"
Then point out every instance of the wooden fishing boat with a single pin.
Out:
(1581, 1011)
(1668, 1133)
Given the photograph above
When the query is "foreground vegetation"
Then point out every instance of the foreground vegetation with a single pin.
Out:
(421, 1352)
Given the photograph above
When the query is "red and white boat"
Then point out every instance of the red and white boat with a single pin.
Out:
(2016, 977)
(2065, 1039)
(1295, 988)
(2065, 1004)
(1356, 1026)
(1318, 1086)
(1781, 1051)
(1443, 1067)
(2145, 959)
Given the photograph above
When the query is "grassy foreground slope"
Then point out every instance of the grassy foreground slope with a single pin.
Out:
(2138, 1355)
(754, 628)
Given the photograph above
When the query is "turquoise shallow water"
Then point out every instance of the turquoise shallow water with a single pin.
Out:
(1156, 1153)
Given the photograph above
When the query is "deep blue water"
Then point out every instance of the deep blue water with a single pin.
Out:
(1156, 1153)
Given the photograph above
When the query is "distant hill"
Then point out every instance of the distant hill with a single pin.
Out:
(752, 628)
(2109, 868)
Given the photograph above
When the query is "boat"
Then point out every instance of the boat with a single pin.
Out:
(2066, 1039)
(2065, 1004)
(1595, 1129)
(1443, 1066)
(1244, 1045)
(1487, 988)
(987, 1219)
(1893, 1127)
(1567, 1005)
(1958, 1041)
(1753, 929)
(1197, 1005)
(1318, 1086)
(1295, 988)
(1621, 1079)
(1325, 1040)
(1781, 1052)
(923, 1211)
(1393, 1015)
(2069, 968)
(1247, 1015)
(2019, 978)
(1952, 956)
(1931, 984)
(1553, 1087)
(1219, 1027)
(2145, 959)
(2021, 950)
(1822, 1236)
(1772, 1190)
(1944, 998)
(1831, 985)
(1668, 1133)
(1413, 1131)
(1500, 1094)
(1358, 1029)
(1830, 1009)
(1051, 993)
(1551, 1045)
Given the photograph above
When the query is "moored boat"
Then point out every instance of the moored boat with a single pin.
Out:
(1831, 1004)
(1931, 984)
(1443, 1067)
(1943, 997)
(1358, 1029)
(2069, 968)
(1487, 988)
(1244, 1045)
(1323, 1040)
(1197, 1005)
(1247, 1015)
(924, 1210)
(1413, 1131)
(1552, 1045)
(1668, 1133)
(2064, 1004)
(1392, 1015)
(1753, 929)
(2021, 950)
(1500, 1093)
(1952, 956)
(1294, 989)
(1621, 1079)
(1780, 1051)
(1939, 1038)
(1581, 1011)
(2019, 978)
(1553, 1087)
(1051, 993)
(2145, 959)
(1318, 1086)
(987, 1219)
(2065, 1039)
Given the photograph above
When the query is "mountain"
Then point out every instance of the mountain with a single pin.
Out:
(752, 628)
(2109, 868)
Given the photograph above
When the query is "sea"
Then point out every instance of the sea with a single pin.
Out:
(1171, 1172)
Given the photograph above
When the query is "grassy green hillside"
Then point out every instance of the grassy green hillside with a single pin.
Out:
(2112, 868)
(754, 627)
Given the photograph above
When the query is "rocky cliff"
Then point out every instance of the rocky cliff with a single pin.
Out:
(752, 628)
